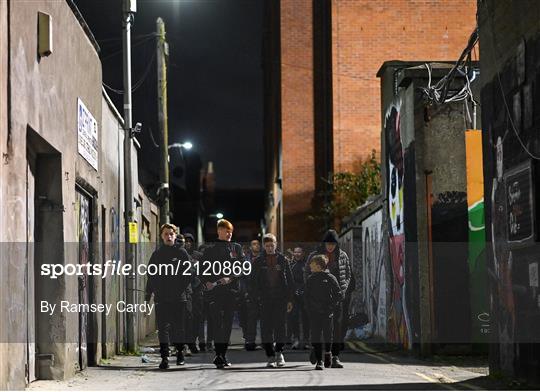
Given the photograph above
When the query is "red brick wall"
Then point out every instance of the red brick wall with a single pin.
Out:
(366, 33)
(297, 115)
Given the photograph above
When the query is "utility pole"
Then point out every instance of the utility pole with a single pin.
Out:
(162, 53)
(129, 9)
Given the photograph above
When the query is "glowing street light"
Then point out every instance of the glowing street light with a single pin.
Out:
(186, 145)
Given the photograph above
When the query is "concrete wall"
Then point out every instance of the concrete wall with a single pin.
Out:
(42, 178)
(3, 133)
(147, 217)
(510, 54)
(44, 94)
(365, 240)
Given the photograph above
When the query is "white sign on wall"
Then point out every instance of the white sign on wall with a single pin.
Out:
(87, 134)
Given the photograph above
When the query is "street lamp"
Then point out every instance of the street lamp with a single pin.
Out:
(186, 145)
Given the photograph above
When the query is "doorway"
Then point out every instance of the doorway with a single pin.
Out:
(86, 336)
(44, 243)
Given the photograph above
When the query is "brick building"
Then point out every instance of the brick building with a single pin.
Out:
(325, 55)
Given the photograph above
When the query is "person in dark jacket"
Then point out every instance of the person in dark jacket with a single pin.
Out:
(221, 288)
(249, 309)
(322, 297)
(169, 291)
(206, 335)
(194, 321)
(340, 267)
(272, 286)
(189, 243)
(298, 314)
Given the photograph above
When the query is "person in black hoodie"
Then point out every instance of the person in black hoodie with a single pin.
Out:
(169, 289)
(298, 313)
(272, 286)
(340, 267)
(221, 289)
(322, 297)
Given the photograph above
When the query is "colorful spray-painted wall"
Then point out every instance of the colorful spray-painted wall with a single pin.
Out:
(426, 206)
(480, 317)
(375, 281)
(398, 327)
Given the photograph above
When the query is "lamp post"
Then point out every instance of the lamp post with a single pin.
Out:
(186, 145)
(129, 10)
(165, 208)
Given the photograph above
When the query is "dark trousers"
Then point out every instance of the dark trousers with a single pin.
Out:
(338, 336)
(273, 319)
(252, 315)
(197, 324)
(190, 333)
(345, 319)
(221, 312)
(209, 323)
(322, 326)
(298, 316)
(171, 326)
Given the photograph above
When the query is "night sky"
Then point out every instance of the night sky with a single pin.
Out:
(215, 79)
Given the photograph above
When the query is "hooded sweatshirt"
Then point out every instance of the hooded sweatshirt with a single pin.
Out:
(338, 265)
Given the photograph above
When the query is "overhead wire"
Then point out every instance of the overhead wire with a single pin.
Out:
(139, 82)
(441, 92)
(142, 41)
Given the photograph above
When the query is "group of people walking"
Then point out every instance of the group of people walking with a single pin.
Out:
(283, 293)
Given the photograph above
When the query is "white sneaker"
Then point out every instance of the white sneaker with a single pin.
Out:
(271, 362)
(280, 360)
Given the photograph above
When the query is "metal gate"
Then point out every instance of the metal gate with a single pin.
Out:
(83, 234)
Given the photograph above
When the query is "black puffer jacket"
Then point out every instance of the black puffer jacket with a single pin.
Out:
(342, 269)
(323, 294)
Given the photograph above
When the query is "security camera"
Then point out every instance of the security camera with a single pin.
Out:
(137, 128)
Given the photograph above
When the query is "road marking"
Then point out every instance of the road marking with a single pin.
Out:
(463, 383)
(427, 378)
(358, 346)
(364, 349)
(434, 381)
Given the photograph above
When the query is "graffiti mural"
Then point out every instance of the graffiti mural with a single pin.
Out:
(374, 274)
(398, 327)
(477, 237)
(501, 270)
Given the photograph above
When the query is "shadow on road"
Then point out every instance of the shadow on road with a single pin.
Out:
(476, 383)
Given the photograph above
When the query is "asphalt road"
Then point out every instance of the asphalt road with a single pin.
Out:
(363, 371)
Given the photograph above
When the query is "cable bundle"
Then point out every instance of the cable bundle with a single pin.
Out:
(441, 91)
